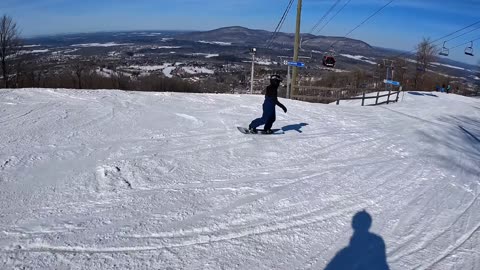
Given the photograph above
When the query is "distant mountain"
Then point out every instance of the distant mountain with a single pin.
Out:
(238, 35)
(243, 36)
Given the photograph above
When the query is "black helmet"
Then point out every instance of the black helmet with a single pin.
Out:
(276, 77)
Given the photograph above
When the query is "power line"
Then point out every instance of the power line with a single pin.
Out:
(280, 24)
(340, 10)
(367, 19)
(364, 21)
(325, 16)
(463, 44)
(463, 34)
(284, 16)
(439, 39)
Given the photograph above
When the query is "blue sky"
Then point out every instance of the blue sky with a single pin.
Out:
(399, 26)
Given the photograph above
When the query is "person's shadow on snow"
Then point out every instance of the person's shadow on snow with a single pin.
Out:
(366, 250)
(296, 127)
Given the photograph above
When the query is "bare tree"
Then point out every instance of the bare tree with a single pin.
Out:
(81, 70)
(426, 54)
(78, 70)
(9, 44)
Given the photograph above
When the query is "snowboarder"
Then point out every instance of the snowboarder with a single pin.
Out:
(271, 100)
(448, 88)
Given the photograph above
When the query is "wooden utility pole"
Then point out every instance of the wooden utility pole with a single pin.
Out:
(297, 46)
(253, 51)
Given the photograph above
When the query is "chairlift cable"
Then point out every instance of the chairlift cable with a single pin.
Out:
(463, 34)
(466, 43)
(280, 24)
(438, 39)
(367, 19)
(324, 16)
(340, 10)
(453, 33)
(364, 21)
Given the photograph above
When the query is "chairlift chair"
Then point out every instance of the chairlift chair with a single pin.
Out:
(445, 51)
(329, 61)
(329, 58)
(469, 50)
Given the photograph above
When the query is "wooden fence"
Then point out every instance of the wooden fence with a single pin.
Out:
(329, 95)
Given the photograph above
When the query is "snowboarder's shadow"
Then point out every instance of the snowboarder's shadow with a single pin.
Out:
(421, 94)
(296, 127)
(366, 250)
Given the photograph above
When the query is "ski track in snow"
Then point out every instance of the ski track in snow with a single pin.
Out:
(111, 179)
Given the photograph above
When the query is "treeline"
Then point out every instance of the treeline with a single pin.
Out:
(92, 80)
(86, 75)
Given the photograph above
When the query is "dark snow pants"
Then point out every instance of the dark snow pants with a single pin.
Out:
(268, 116)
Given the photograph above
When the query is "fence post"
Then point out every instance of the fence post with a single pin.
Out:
(378, 95)
(388, 97)
(398, 95)
(363, 99)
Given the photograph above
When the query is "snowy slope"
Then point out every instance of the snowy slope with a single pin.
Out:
(126, 180)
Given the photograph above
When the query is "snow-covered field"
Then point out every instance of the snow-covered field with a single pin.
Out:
(166, 68)
(207, 55)
(33, 51)
(108, 44)
(263, 62)
(198, 70)
(360, 58)
(216, 43)
(151, 68)
(128, 180)
(168, 71)
(449, 66)
(166, 47)
(105, 72)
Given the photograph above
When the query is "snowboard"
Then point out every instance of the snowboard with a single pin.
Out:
(259, 131)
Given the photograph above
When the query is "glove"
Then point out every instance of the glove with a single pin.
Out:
(284, 109)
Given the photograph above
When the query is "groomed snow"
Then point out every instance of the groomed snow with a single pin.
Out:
(126, 180)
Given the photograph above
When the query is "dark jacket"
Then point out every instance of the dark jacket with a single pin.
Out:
(272, 93)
